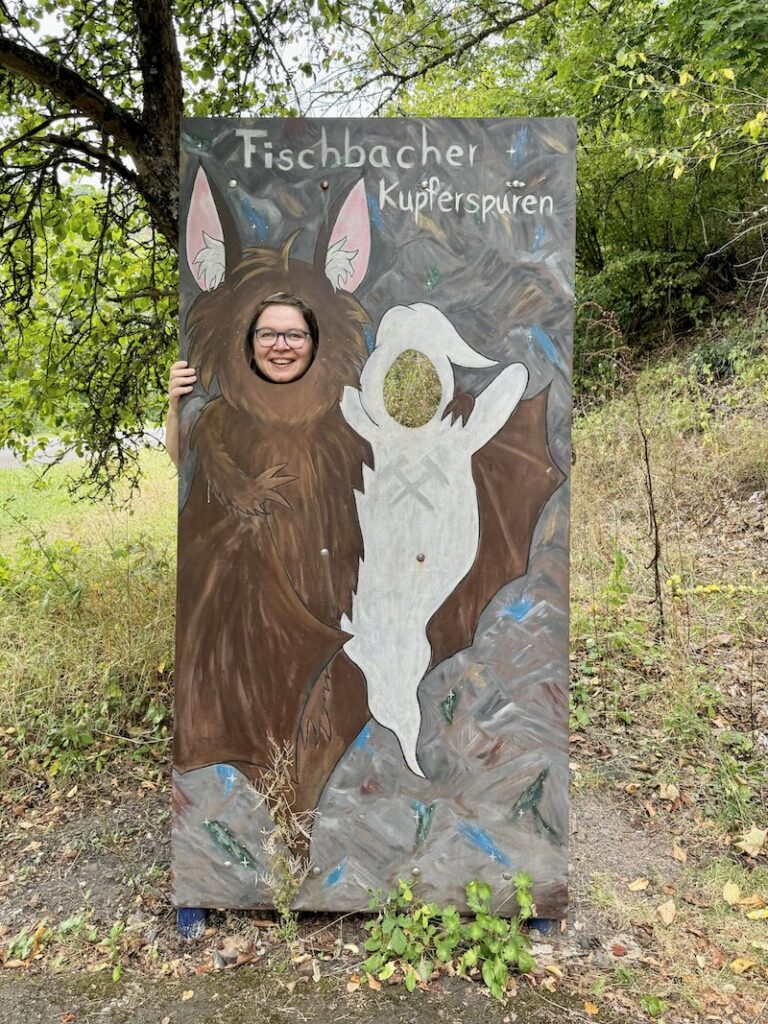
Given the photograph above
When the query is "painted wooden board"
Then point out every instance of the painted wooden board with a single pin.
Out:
(388, 604)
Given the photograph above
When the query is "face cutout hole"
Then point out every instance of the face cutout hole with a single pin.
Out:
(412, 389)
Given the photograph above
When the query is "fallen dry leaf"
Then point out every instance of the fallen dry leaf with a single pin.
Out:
(753, 841)
(721, 640)
(372, 982)
(650, 809)
(668, 791)
(667, 912)
(354, 983)
(638, 885)
(731, 893)
(553, 969)
(701, 960)
(590, 1008)
(752, 901)
(679, 854)
(187, 994)
(742, 964)
(755, 915)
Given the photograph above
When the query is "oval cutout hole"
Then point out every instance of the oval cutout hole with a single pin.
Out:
(412, 389)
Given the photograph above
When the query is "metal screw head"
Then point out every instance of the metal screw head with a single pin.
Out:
(324, 552)
(424, 183)
(324, 184)
(315, 870)
(415, 872)
(232, 183)
(506, 876)
(420, 557)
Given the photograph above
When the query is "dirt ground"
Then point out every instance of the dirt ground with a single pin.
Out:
(110, 862)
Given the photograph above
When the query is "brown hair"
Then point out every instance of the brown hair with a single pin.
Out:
(285, 299)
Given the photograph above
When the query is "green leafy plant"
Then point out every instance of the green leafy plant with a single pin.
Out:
(411, 936)
(28, 942)
(113, 944)
(653, 1005)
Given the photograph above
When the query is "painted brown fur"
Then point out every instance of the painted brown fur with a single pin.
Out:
(268, 537)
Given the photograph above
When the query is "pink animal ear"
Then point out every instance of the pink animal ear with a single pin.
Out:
(349, 245)
(204, 236)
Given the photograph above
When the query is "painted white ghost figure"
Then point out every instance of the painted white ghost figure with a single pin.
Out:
(418, 511)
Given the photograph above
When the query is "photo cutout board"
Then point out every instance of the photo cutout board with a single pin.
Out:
(372, 637)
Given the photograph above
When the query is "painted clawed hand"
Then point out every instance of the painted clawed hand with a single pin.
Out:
(460, 407)
(253, 493)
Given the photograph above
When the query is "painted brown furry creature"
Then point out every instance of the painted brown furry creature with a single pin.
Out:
(268, 536)
(269, 540)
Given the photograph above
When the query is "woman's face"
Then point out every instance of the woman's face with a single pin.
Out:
(279, 361)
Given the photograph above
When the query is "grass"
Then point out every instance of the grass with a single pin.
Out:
(693, 701)
(86, 626)
(412, 389)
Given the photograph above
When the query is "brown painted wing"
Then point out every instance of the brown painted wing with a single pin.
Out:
(515, 476)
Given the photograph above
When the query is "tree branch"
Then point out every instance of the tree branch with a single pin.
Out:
(459, 51)
(97, 153)
(70, 88)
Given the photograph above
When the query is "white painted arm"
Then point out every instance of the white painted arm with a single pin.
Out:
(495, 405)
(356, 416)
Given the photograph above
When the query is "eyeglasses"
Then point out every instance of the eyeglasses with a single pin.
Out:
(267, 336)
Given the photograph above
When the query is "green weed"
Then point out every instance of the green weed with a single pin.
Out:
(411, 936)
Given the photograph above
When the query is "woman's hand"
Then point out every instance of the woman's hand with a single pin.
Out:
(181, 380)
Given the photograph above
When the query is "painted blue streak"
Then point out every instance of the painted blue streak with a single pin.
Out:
(543, 340)
(517, 147)
(539, 235)
(373, 207)
(363, 738)
(335, 875)
(419, 807)
(480, 839)
(257, 222)
(517, 610)
(370, 337)
(225, 773)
